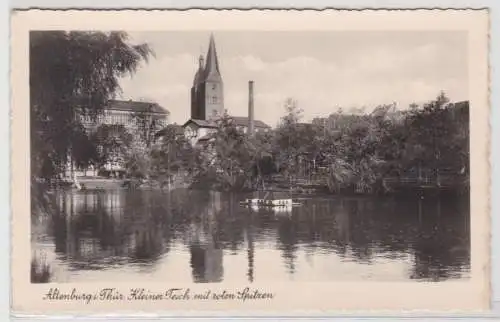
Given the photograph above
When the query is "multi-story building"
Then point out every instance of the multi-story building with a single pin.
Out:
(126, 113)
(132, 115)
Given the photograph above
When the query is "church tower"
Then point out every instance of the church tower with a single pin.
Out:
(207, 93)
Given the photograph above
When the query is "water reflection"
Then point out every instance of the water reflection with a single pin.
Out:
(210, 236)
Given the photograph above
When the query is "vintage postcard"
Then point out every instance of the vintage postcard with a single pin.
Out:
(249, 162)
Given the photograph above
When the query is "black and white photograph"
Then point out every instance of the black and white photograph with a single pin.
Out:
(213, 156)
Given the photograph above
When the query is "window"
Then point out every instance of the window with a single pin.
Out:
(214, 100)
(214, 86)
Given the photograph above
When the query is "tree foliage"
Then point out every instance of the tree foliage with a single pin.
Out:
(172, 155)
(344, 152)
(349, 152)
(72, 75)
(147, 126)
(111, 143)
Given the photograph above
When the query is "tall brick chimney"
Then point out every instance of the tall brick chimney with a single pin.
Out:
(250, 109)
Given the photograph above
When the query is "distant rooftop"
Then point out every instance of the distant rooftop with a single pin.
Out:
(136, 106)
(175, 129)
(237, 120)
(243, 121)
(202, 123)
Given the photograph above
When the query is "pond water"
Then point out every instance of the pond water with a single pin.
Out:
(205, 236)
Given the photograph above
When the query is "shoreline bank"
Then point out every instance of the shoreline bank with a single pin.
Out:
(101, 183)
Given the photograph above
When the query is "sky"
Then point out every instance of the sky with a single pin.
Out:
(321, 70)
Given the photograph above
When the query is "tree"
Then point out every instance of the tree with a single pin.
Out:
(293, 112)
(287, 140)
(72, 76)
(229, 157)
(173, 154)
(430, 130)
(86, 152)
(147, 125)
(263, 162)
(233, 155)
(112, 143)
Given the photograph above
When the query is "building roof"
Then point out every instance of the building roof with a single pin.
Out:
(208, 70)
(212, 71)
(135, 106)
(175, 128)
(243, 121)
(238, 121)
(201, 123)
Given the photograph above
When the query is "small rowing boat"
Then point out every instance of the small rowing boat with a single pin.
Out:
(270, 200)
(277, 203)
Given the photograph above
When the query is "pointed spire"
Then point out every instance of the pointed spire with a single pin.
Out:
(212, 63)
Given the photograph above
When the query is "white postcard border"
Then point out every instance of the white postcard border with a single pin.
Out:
(452, 296)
